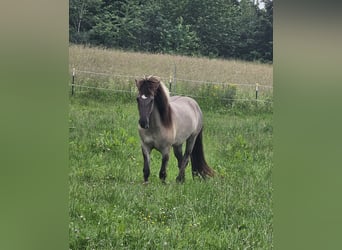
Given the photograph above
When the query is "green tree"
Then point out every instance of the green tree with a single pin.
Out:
(266, 37)
(81, 18)
(220, 28)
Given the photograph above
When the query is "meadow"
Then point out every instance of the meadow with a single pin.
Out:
(109, 206)
(193, 68)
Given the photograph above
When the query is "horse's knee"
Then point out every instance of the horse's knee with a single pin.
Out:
(162, 172)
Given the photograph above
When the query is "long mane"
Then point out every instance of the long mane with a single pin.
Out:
(152, 85)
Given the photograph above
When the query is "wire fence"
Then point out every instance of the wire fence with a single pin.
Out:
(177, 86)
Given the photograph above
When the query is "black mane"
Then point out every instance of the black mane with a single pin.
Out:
(153, 86)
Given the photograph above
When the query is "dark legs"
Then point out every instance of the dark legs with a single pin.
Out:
(146, 170)
(184, 163)
(185, 159)
(177, 150)
(162, 172)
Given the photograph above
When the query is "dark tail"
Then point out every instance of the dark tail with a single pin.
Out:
(199, 165)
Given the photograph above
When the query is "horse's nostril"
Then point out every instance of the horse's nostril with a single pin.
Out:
(143, 124)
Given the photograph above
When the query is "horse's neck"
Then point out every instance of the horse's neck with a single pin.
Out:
(155, 119)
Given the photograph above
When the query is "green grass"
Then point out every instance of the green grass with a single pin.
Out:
(110, 208)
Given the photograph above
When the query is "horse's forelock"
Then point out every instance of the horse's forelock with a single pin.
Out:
(149, 85)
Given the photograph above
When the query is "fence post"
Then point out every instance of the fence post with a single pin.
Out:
(256, 91)
(175, 75)
(256, 94)
(170, 83)
(73, 82)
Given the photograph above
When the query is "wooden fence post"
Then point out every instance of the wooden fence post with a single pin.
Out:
(175, 75)
(256, 91)
(170, 84)
(256, 94)
(73, 81)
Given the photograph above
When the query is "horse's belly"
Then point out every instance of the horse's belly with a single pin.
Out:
(184, 130)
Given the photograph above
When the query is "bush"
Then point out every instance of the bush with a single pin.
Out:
(228, 95)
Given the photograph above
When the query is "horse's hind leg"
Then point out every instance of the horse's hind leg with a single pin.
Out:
(188, 149)
(177, 150)
(179, 155)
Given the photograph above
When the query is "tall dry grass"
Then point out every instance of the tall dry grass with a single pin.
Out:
(193, 68)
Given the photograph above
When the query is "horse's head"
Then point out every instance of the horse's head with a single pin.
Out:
(145, 106)
(147, 89)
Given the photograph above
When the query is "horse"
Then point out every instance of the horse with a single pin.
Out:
(166, 122)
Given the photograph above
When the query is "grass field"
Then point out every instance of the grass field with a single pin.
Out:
(111, 209)
(139, 64)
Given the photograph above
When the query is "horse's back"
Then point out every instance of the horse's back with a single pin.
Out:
(183, 100)
(187, 104)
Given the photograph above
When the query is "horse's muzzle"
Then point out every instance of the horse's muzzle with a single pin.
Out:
(144, 124)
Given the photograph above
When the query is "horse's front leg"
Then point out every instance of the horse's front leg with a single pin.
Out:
(165, 159)
(146, 170)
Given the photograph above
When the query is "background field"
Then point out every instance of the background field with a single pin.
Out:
(109, 206)
(193, 68)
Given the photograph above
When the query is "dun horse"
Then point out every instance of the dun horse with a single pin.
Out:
(167, 122)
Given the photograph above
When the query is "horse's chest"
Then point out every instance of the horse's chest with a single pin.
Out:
(158, 140)
(147, 138)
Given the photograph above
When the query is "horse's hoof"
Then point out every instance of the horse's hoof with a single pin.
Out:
(180, 179)
(145, 183)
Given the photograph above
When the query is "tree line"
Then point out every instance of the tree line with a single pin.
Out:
(236, 29)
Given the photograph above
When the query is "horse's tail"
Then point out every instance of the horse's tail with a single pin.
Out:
(199, 165)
